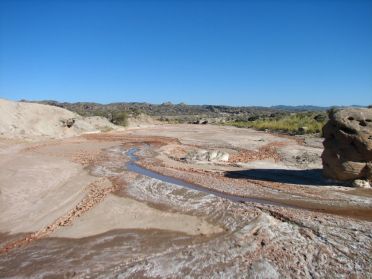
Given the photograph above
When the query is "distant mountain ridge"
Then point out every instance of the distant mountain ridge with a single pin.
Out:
(311, 108)
(169, 109)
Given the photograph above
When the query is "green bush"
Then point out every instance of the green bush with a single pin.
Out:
(298, 123)
(120, 118)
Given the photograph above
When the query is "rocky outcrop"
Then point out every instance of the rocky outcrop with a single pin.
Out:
(210, 156)
(68, 122)
(347, 151)
(359, 183)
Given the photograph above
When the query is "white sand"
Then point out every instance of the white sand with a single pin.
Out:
(125, 213)
(34, 121)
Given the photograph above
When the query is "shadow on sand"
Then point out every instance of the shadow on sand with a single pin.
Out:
(312, 177)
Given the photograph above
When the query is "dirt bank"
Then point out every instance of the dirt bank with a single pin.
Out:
(33, 121)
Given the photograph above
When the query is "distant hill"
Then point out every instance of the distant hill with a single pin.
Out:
(310, 108)
(183, 112)
(165, 109)
(300, 108)
(169, 109)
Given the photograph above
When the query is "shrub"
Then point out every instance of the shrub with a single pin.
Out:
(120, 118)
(298, 123)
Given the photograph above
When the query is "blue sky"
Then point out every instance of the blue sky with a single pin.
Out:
(199, 52)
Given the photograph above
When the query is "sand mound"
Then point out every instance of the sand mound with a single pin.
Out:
(30, 121)
(142, 121)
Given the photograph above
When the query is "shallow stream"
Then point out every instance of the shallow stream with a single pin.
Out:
(349, 211)
(134, 167)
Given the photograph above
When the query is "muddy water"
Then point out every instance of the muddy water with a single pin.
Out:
(132, 166)
(104, 255)
(353, 212)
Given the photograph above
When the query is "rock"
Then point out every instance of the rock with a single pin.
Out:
(68, 122)
(211, 156)
(306, 158)
(204, 155)
(224, 157)
(200, 121)
(303, 130)
(262, 269)
(359, 183)
(217, 156)
(320, 117)
(347, 151)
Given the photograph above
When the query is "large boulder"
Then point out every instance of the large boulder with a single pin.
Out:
(347, 151)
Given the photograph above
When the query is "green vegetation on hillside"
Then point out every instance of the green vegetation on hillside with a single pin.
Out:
(165, 109)
(294, 123)
(120, 118)
(287, 119)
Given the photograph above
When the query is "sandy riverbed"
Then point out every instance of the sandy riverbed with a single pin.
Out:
(73, 203)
